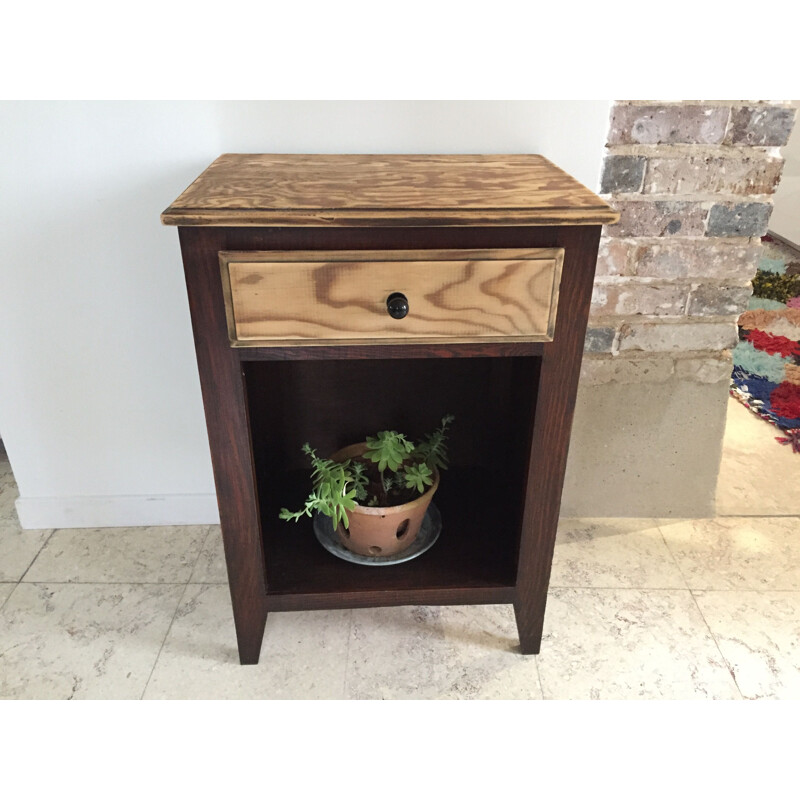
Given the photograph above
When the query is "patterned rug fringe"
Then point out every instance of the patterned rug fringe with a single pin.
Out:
(792, 438)
(766, 361)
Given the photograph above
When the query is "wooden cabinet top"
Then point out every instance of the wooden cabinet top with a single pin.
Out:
(386, 190)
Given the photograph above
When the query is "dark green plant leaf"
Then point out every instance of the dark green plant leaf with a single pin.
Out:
(361, 480)
(433, 449)
(418, 476)
(388, 450)
(337, 487)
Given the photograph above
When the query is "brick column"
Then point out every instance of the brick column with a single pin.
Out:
(693, 183)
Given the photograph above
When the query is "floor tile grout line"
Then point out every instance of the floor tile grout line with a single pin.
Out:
(719, 649)
(3, 604)
(753, 516)
(673, 557)
(111, 583)
(739, 590)
(209, 583)
(120, 582)
(164, 640)
(539, 676)
(672, 589)
(694, 600)
(718, 515)
(623, 588)
(345, 691)
(199, 553)
(186, 586)
(38, 553)
(702, 615)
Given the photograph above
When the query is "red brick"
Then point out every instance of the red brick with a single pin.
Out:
(675, 260)
(654, 124)
(709, 175)
(762, 125)
(658, 218)
(613, 257)
(631, 298)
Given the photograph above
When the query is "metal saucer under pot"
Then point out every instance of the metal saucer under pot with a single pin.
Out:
(426, 538)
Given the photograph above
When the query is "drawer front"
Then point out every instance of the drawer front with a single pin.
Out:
(340, 297)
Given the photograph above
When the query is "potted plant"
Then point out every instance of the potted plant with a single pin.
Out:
(377, 492)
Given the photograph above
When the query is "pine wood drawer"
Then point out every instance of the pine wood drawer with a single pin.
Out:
(313, 297)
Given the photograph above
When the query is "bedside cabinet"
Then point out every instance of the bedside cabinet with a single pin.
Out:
(333, 296)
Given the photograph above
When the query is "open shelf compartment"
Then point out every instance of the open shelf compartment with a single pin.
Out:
(334, 403)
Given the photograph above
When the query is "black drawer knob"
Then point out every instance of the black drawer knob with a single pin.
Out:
(397, 305)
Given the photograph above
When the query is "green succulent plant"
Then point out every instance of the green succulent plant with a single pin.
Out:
(398, 464)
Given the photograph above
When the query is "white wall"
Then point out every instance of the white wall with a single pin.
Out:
(100, 402)
(785, 219)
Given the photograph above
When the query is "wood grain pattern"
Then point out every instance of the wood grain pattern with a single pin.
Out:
(330, 297)
(387, 190)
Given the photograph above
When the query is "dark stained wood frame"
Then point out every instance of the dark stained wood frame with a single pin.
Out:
(221, 370)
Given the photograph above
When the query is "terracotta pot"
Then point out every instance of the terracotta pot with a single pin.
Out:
(378, 531)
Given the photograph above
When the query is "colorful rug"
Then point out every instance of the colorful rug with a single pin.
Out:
(766, 361)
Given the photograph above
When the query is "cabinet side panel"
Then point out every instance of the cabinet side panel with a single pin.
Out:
(549, 437)
(227, 421)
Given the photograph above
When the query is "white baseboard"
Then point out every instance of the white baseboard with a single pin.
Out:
(122, 511)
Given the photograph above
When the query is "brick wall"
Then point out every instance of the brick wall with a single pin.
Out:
(693, 182)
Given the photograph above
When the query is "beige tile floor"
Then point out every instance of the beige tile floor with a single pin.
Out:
(758, 476)
(638, 608)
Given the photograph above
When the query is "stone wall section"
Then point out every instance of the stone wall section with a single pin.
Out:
(693, 182)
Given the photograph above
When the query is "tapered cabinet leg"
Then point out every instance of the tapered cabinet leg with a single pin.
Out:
(249, 637)
(529, 627)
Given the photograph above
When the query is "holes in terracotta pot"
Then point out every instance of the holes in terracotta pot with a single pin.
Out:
(402, 528)
(375, 550)
(345, 531)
